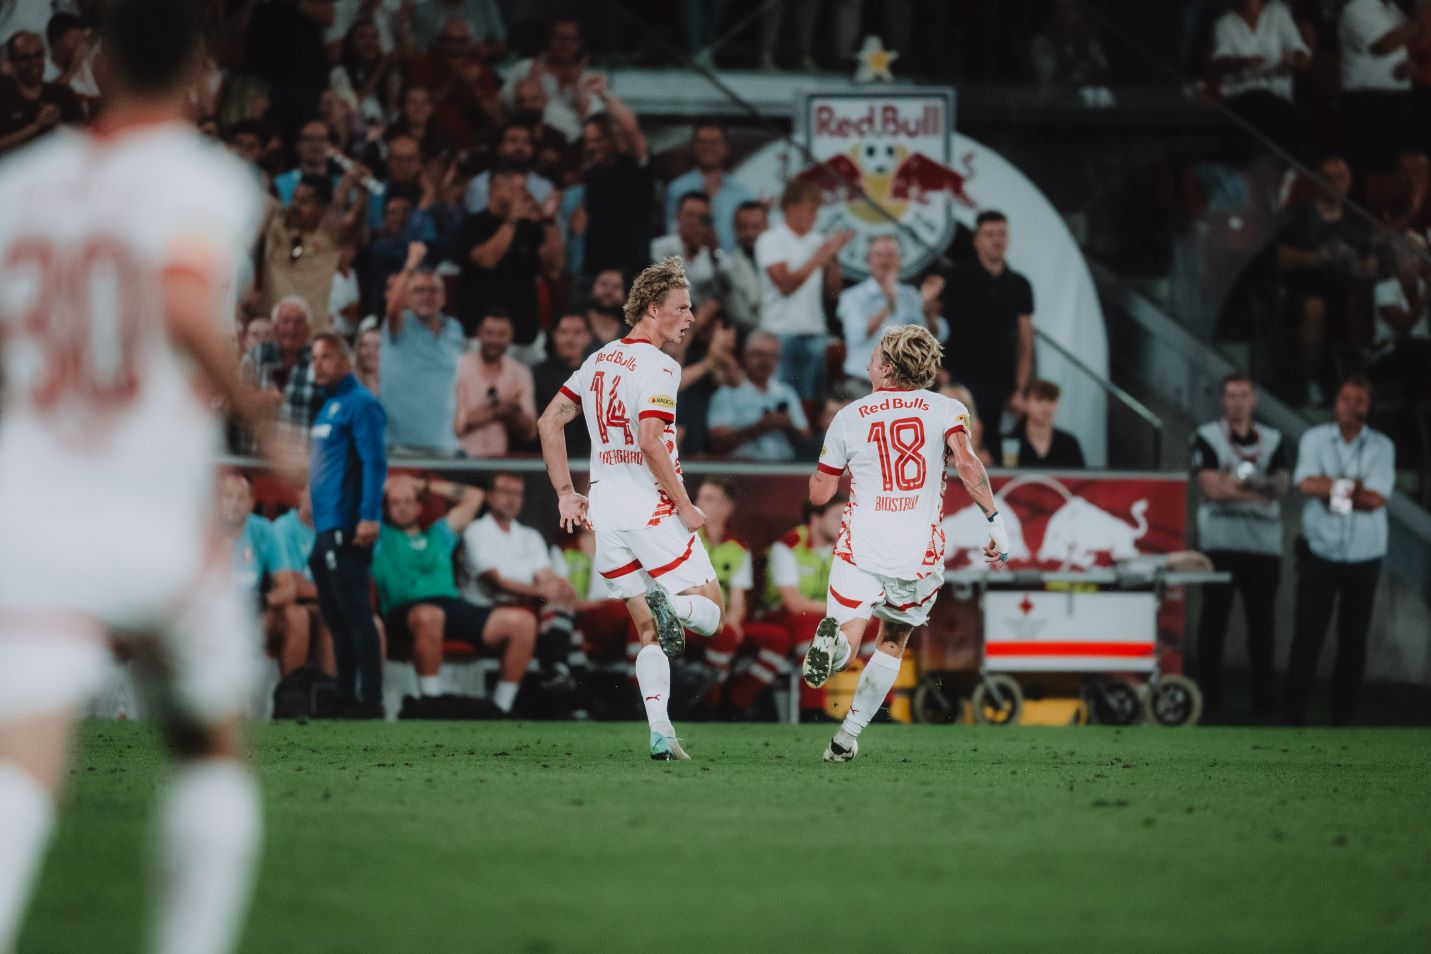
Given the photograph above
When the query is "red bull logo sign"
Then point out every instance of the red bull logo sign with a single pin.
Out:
(883, 161)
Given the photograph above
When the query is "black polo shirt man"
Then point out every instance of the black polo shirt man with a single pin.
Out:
(989, 307)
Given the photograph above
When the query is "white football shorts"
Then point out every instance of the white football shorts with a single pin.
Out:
(632, 561)
(858, 594)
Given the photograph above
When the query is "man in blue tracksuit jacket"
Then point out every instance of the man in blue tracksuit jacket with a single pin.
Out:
(348, 467)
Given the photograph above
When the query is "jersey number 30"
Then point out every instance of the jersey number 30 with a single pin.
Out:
(901, 452)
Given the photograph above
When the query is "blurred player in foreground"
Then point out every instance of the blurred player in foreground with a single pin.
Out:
(117, 250)
(889, 558)
(646, 545)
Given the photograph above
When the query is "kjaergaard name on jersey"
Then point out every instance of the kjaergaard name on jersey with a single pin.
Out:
(894, 404)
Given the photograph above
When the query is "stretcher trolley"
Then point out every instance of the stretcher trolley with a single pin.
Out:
(1096, 630)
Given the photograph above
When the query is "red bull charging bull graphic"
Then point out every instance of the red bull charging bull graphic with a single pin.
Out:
(883, 161)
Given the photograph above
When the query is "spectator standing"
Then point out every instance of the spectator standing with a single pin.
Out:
(71, 60)
(1256, 49)
(742, 303)
(496, 404)
(315, 145)
(366, 71)
(367, 361)
(349, 467)
(1241, 470)
(1376, 74)
(302, 247)
(404, 163)
(516, 150)
(421, 345)
(402, 225)
(726, 195)
(620, 190)
(990, 308)
(882, 301)
(761, 418)
(1411, 210)
(561, 68)
(282, 369)
(503, 250)
(1324, 257)
(603, 307)
(1345, 471)
(695, 242)
(1035, 442)
(797, 267)
(570, 344)
(286, 49)
(483, 19)
(1068, 59)
(29, 106)
(417, 591)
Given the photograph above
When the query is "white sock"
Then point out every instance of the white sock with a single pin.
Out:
(209, 835)
(27, 815)
(697, 613)
(843, 654)
(429, 685)
(875, 683)
(505, 695)
(653, 675)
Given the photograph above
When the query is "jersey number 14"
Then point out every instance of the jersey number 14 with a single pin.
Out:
(610, 410)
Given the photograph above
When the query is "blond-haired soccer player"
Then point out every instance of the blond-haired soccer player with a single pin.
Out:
(647, 551)
(118, 248)
(889, 558)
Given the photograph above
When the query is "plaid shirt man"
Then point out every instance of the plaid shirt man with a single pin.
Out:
(302, 398)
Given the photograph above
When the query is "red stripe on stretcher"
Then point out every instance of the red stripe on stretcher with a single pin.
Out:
(1067, 649)
(852, 604)
(660, 570)
(631, 567)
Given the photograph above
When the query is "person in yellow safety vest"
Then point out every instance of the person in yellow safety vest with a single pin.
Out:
(797, 574)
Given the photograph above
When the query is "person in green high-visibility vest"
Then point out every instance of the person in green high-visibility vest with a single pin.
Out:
(797, 576)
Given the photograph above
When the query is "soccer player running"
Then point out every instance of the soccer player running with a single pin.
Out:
(889, 558)
(118, 249)
(646, 546)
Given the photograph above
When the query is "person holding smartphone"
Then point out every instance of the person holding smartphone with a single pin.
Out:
(1345, 471)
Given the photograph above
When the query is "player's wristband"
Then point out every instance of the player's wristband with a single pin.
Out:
(999, 535)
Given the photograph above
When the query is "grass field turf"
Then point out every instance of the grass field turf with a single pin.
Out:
(543, 837)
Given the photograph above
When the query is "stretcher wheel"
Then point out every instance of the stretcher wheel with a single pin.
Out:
(1116, 702)
(1175, 701)
(997, 700)
(932, 705)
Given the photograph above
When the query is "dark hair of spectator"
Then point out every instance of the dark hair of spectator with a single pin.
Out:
(334, 341)
(496, 312)
(59, 25)
(507, 475)
(357, 74)
(992, 215)
(799, 190)
(809, 511)
(573, 316)
(511, 124)
(246, 127)
(726, 485)
(1042, 390)
(602, 122)
(151, 44)
(750, 206)
(399, 190)
(695, 195)
(322, 187)
(1236, 377)
(708, 122)
(1361, 381)
(504, 171)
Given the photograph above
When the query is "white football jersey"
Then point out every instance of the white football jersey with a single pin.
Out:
(619, 386)
(893, 443)
(107, 446)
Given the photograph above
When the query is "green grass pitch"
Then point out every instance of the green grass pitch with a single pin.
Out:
(563, 837)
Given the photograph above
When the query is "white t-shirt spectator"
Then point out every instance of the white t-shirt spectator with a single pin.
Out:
(517, 554)
(744, 404)
(1274, 37)
(1363, 23)
(1390, 293)
(799, 313)
(343, 295)
(859, 303)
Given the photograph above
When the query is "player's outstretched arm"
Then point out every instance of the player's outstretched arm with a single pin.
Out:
(189, 322)
(976, 482)
(552, 428)
(651, 438)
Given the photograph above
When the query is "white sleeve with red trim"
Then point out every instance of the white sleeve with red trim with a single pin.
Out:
(957, 420)
(744, 576)
(835, 454)
(658, 383)
(573, 387)
(781, 566)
